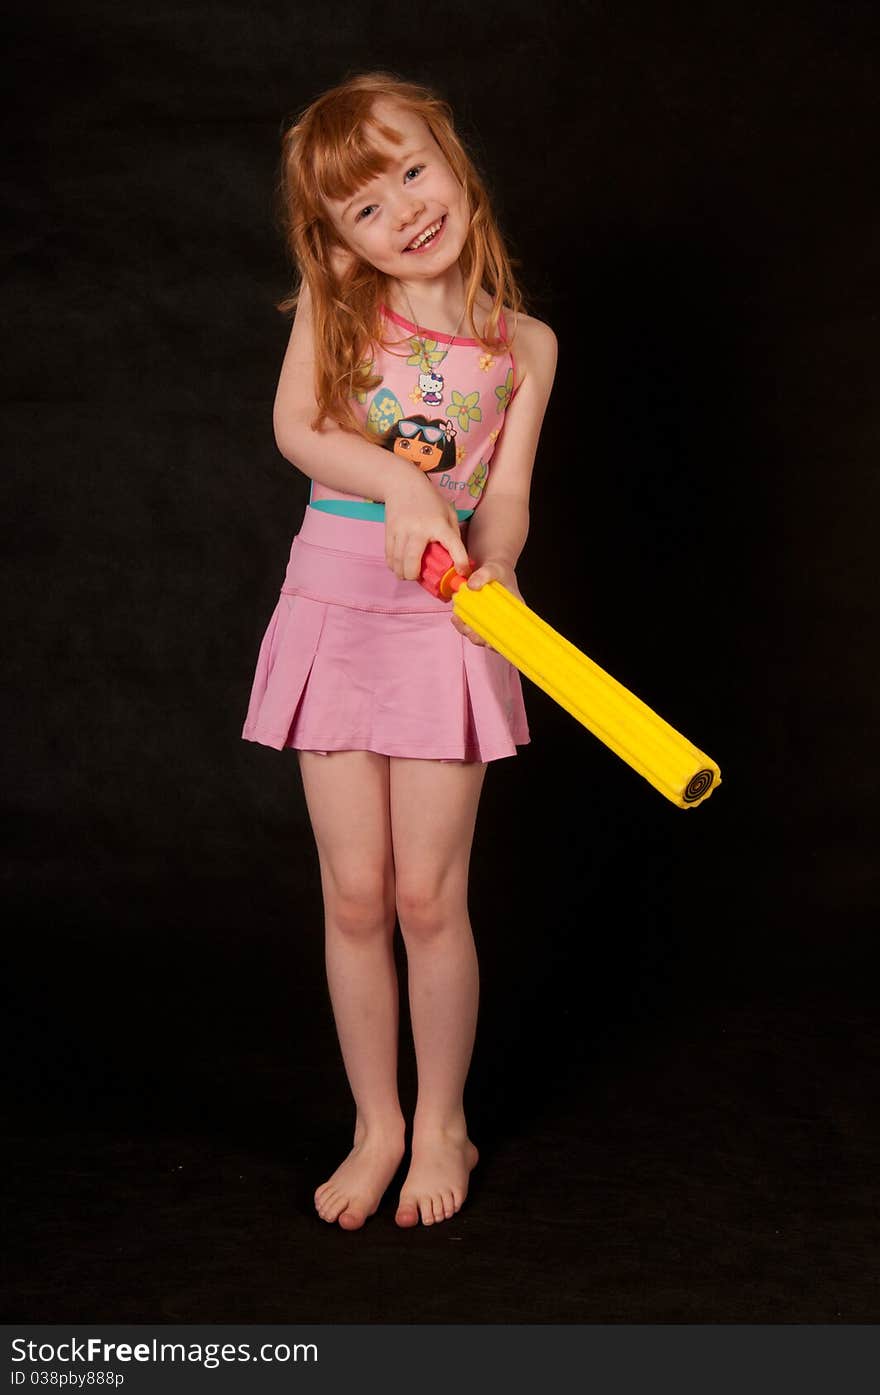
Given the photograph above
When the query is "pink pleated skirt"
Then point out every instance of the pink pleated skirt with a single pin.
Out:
(354, 659)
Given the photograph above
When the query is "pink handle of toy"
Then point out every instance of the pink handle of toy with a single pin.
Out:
(438, 574)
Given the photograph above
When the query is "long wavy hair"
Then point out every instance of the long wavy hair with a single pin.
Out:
(327, 154)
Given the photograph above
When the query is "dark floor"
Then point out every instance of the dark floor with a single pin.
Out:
(709, 1167)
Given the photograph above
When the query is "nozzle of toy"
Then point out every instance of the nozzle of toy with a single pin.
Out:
(625, 724)
(438, 574)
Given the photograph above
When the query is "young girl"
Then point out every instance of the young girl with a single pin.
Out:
(407, 319)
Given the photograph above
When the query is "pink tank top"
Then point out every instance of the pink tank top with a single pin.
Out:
(440, 404)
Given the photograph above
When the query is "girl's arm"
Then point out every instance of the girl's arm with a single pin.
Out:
(499, 528)
(415, 511)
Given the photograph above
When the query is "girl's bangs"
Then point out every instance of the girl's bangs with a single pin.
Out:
(345, 163)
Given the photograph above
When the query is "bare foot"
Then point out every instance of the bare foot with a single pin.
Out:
(357, 1186)
(437, 1182)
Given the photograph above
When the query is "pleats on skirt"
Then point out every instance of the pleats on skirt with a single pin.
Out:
(354, 659)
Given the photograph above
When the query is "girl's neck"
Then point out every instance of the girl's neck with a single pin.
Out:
(436, 304)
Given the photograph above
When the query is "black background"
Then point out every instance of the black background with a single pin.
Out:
(677, 1051)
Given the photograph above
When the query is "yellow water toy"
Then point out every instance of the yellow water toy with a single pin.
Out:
(605, 707)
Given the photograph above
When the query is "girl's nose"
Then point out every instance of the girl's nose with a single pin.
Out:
(410, 209)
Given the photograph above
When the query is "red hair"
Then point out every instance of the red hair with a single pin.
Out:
(327, 154)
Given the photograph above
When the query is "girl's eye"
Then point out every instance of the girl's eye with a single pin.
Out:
(416, 169)
(427, 450)
(365, 212)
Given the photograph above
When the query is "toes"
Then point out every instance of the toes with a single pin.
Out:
(334, 1206)
(432, 1210)
(352, 1218)
(407, 1213)
(333, 1202)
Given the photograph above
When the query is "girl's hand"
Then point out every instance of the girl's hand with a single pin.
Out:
(415, 514)
(487, 571)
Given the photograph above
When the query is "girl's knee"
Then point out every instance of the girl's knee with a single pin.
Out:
(426, 907)
(360, 906)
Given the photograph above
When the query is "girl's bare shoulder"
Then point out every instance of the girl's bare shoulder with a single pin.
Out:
(534, 345)
(520, 323)
(532, 341)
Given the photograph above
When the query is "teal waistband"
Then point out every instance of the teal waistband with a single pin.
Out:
(350, 508)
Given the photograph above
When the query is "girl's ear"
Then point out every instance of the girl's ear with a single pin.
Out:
(342, 260)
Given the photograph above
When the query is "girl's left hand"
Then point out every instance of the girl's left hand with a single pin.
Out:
(487, 571)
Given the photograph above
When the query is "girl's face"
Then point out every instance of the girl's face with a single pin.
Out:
(411, 221)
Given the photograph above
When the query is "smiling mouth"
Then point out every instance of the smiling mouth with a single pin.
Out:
(428, 237)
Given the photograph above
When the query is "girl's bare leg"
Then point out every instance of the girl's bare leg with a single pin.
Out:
(347, 793)
(433, 813)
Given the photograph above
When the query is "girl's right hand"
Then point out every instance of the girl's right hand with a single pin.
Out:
(416, 514)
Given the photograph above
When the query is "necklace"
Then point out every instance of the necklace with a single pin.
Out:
(419, 330)
(427, 356)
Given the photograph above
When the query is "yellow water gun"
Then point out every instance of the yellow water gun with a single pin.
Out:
(626, 724)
